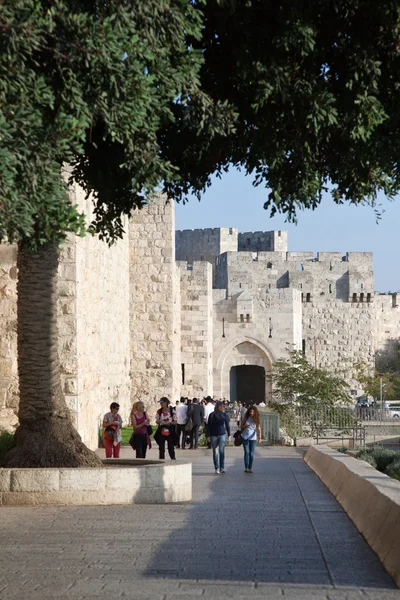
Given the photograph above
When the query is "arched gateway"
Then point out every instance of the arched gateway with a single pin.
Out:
(241, 371)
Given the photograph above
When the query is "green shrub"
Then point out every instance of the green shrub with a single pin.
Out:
(127, 431)
(203, 441)
(368, 457)
(343, 449)
(383, 458)
(6, 443)
(370, 450)
(378, 457)
(393, 469)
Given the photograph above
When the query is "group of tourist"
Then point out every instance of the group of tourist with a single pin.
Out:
(180, 425)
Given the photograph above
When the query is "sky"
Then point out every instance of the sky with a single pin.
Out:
(233, 202)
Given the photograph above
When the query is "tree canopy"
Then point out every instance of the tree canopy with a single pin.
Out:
(295, 381)
(138, 94)
(91, 84)
(371, 382)
(316, 88)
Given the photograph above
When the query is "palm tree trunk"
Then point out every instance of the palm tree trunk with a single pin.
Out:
(46, 436)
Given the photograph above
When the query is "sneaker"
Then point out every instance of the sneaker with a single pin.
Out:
(250, 470)
(246, 470)
(222, 471)
(217, 471)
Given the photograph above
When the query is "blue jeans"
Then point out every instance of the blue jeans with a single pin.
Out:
(249, 447)
(218, 447)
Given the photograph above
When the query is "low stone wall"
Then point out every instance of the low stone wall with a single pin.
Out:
(370, 498)
(121, 481)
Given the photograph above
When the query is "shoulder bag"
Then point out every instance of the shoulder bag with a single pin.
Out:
(237, 438)
(149, 427)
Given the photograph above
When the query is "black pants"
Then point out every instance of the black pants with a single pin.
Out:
(141, 445)
(194, 436)
(171, 446)
(181, 434)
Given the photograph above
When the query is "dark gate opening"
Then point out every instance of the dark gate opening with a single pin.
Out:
(247, 384)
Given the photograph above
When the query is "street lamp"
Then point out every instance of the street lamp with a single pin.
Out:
(381, 386)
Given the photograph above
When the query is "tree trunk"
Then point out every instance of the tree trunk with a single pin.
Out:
(46, 436)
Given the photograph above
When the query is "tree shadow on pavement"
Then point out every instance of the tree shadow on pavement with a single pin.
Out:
(278, 525)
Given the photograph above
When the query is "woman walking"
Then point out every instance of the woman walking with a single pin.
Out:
(217, 429)
(251, 433)
(140, 438)
(166, 421)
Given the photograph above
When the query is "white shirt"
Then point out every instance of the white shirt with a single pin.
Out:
(208, 409)
(181, 414)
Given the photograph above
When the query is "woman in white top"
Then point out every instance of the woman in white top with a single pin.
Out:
(251, 434)
(112, 425)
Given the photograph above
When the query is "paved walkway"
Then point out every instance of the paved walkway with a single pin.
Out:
(276, 533)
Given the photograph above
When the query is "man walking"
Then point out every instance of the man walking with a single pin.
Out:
(208, 409)
(182, 419)
(195, 413)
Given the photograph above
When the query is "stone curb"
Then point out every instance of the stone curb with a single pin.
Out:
(371, 499)
(124, 482)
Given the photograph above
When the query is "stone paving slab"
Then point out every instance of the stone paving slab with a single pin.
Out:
(274, 534)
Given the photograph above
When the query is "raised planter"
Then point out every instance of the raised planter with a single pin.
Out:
(370, 498)
(121, 481)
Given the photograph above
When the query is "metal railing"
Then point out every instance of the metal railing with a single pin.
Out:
(324, 424)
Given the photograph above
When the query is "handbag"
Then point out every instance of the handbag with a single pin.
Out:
(148, 427)
(237, 438)
(110, 431)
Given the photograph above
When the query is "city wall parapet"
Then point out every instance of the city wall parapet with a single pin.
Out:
(370, 498)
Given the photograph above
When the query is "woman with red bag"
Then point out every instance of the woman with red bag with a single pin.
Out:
(112, 424)
(166, 434)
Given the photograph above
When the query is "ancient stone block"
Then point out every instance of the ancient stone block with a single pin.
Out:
(6, 368)
(83, 479)
(34, 480)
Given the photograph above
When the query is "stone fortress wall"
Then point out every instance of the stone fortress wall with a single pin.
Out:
(196, 328)
(266, 241)
(387, 327)
(94, 340)
(334, 318)
(93, 326)
(165, 313)
(154, 305)
(262, 326)
(204, 244)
